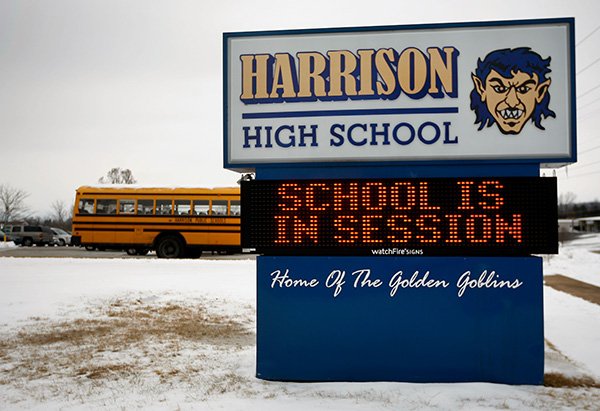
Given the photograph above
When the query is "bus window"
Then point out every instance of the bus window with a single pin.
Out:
(145, 207)
(126, 206)
(235, 207)
(219, 207)
(201, 207)
(183, 207)
(86, 206)
(106, 206)
(164, 207)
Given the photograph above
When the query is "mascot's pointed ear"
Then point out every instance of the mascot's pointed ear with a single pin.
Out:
(478, 86)
(541, 90)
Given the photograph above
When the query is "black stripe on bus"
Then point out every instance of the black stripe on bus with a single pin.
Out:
(197, 231)
(106, 229)
(132, 215)
(154, 216)
(125, 223)
(159, 230)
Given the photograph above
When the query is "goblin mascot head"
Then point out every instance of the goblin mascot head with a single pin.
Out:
(511, 87)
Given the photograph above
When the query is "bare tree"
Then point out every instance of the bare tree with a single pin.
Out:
(566, 202)
(59, 212)
(12, 203)
(117, 175)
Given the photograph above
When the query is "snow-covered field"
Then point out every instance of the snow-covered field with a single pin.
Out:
(178, 335)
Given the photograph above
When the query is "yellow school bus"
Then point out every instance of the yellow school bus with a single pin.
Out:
(176, 222)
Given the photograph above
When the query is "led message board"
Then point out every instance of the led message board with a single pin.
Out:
(401, 217)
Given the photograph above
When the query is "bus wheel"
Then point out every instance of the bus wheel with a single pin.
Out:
(169, 247)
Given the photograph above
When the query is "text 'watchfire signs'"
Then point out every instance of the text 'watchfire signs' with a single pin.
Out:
(423, 216)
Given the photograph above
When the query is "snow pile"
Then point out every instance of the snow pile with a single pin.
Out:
(6, 244)
(156, 334)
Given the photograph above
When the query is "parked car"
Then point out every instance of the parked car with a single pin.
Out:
(9, 237)
(61, 237)
(30, 234)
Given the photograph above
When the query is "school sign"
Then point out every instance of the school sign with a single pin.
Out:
(498, 92)
(397, 198)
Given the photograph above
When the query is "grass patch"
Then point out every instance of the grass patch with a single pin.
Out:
(127, 323)
(121, 340)
(113, 371)
(558, 380)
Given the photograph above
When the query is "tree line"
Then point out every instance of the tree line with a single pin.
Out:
(568, 208)
(14, 208)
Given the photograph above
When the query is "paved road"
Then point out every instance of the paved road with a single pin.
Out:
(77, 252)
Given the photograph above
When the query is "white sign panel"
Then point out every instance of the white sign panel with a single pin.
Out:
(490, 92)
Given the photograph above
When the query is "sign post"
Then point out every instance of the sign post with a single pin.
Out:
(397, 198)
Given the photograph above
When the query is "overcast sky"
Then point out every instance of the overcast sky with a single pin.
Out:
(90, 85)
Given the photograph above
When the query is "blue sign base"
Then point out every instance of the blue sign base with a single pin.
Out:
(411, 319)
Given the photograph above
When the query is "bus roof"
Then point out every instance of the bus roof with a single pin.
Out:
(133, 189)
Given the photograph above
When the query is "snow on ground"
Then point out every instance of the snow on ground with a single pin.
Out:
(56, 287)
(573, 324)
(156, 334)
(6, 244)
(577, 259)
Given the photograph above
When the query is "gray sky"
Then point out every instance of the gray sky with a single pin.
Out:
(90, 85)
